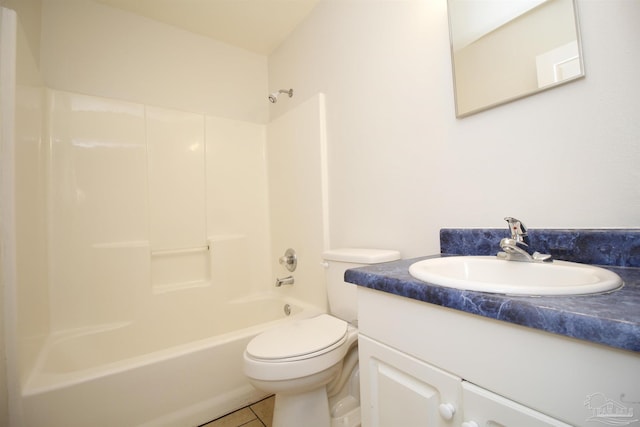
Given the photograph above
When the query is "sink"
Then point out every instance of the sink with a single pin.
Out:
(490, 274)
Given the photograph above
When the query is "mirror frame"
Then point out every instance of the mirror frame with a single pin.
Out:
(508, 100)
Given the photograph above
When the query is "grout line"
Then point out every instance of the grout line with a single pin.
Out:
(257, 417)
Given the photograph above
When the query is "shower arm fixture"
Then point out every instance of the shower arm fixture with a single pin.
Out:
(273, 97)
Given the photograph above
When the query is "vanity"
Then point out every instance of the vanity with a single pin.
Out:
(438, 356)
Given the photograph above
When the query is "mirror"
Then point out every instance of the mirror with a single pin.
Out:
(503, 50)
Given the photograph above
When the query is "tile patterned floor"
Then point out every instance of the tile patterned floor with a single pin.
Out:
(260, 414)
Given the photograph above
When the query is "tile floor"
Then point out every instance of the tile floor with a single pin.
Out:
(260, 414)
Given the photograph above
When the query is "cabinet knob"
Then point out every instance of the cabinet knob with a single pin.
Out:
(470, 424)
(447, 410)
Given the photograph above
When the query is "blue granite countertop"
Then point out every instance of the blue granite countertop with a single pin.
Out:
(611, 319)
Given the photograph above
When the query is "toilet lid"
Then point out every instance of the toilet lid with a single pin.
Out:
(298, 338)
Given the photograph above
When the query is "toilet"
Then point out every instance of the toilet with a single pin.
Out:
(311, 365)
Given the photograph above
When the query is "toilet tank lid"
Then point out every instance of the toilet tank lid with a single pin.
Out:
(361, 256)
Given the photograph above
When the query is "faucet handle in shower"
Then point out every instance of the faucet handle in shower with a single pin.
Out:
(289, 260)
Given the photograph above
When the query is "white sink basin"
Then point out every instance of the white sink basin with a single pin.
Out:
(490, 274)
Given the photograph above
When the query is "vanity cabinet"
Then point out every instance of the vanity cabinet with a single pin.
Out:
(429, 366)
(400, 390)
(483, 408)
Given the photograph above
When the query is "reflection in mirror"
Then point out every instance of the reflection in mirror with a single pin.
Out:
(504, 50)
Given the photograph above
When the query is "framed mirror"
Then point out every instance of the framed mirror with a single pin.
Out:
(503, 50)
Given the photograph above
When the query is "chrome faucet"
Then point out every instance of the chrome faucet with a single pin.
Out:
(289, 280)
(517, 247)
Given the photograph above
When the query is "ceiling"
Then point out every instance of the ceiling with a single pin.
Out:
(472, 19)
(255, 25)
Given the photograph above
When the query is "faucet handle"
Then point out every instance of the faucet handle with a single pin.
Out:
(518, 230)
(289, 260)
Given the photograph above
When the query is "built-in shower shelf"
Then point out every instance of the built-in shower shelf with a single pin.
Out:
(180, 268)
(179, 286)
(128, 244)
(179, 251)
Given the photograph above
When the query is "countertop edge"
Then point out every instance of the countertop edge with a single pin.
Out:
(577, 320)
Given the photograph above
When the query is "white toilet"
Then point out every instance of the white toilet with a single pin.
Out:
(312, 365)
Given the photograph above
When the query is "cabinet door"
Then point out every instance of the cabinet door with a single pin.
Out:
(399, 390)
(485, 409)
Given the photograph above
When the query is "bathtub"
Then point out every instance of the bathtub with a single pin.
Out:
(152, 373)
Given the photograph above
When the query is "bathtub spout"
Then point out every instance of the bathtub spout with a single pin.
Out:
(289, 280)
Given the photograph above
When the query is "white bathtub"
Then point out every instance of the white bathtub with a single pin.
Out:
(147, 373)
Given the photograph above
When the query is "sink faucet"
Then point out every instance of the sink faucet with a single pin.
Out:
(517, 247)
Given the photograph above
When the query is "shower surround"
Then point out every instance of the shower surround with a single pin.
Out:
(138, 208)
(163, 232)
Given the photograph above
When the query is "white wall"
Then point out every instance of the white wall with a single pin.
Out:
(94, 49)
(401, 166)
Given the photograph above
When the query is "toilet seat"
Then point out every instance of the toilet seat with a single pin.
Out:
(299, 340)
(306, 347)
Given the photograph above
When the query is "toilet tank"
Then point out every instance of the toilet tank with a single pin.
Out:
(342, 295)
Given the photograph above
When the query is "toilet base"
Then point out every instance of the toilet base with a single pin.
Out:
(314, 408)
(350, 419)
(310, 409)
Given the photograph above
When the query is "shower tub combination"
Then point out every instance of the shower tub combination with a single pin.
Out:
(132, 375)
(152, 339)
